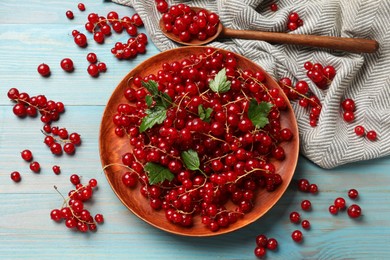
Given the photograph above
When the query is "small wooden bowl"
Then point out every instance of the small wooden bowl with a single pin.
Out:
(112, 148)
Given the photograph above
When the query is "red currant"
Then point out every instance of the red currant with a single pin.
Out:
(81, 40)
(15, 176)
(348, 105)
(81, 7)
(359, 130)
(261, 241)
(306, 205)
(93, 70)
(272, 244)
(297, 236)
(74, 179)
(333, 209)
(260, 252)
(67, 64)
(56, 169)
(35, 167)
(305, 224)
(371, 135)
(353, 193)
(44, 70)
(274, 7)
(27, 155)
(339, 203)
(295, 217)
(354, 211)
(69, 14)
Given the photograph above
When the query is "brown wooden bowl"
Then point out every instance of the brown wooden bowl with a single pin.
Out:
(112, 148)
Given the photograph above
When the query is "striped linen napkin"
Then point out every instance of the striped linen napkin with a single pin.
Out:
(362, 77)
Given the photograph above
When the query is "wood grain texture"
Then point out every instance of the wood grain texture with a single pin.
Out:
(33, 32)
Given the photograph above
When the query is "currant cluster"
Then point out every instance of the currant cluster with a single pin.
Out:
(94, 67)
(131, 48)
(55, 137)
(354, 210)
(30, 106)
(263, 243)
(321, 76)
(294, 21)
(305, 97)
(187, 24)
(195, 122)
(73, 210)
(102, 27)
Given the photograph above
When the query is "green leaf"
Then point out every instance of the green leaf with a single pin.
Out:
(157, 173)
(204, 114)
(151, 86)
(156, 115)
(162, 99)
(258, 113)
(191, 160)
(149, 100)
(220, 84)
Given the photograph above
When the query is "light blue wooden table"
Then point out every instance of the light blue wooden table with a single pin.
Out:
(34, 31)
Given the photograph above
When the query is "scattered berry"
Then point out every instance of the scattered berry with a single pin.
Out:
(272, 244)
(93, 70)
(27, 155)
(274, 7)
(359, 130)
(74, 179)
(305, 224)
(67, 65)
(354, 211)
(306, 205)
(15, 176)
(333, 209)
(295, 217)
(56, 169)
(35, 167)
(260, 252)
(44, 70)
(261, 241)
(80, 39)
(69, 14)
(294, 21)
(340, 203)
(313, 188)
(92, 57)
(371, 135)
(353, 193)
(81, 7)
(297, 236)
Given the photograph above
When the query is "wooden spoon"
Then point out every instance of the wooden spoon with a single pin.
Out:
(356, 45)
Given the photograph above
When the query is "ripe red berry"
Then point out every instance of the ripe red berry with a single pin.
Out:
(359, 130)
(44, 70)
(81, 7)
(293, 17)
(305, 224)
(261, 240)
(67, 65)
(353, 193)
(74, 179)
(303, 185)
(69, 148)
(297, 236)
(371, 135)
(306, 205)
(260, 252)
(99, 218)
(348, 105)
(93, 70)
(272, 244)
(27, 155)
(313, 188)
(56, 169)
(35, 167)
(15, 176)
(340, 203)
(81, 40)
(69, 14)
(102, 67)
(348, 116)
(92, 57)
(354, 211)
(333, 209)
(56, 215)
(274, 7)
(295, 217)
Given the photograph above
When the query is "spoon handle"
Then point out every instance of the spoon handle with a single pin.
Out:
(356, 45)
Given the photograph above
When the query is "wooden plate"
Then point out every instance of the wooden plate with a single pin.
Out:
(112, 148)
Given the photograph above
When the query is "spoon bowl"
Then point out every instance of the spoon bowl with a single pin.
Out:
(356, 45)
